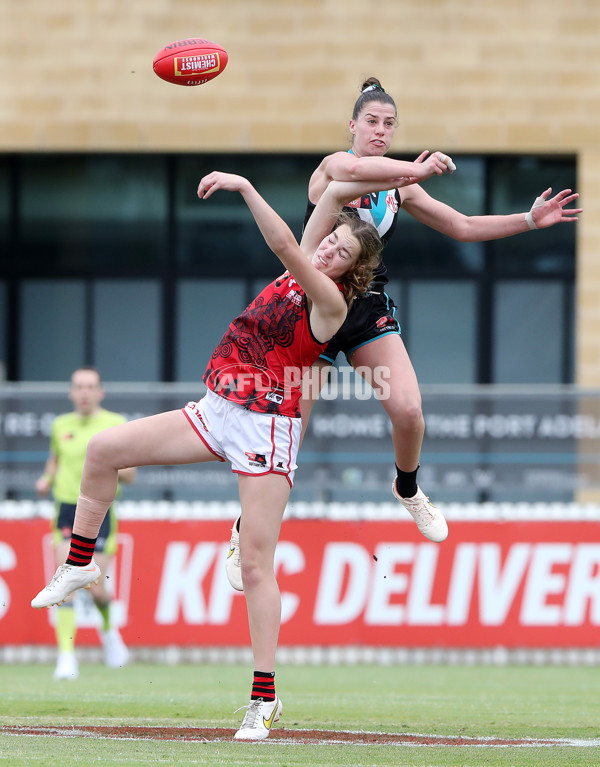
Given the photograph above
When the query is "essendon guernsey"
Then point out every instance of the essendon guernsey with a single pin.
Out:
(259, 361)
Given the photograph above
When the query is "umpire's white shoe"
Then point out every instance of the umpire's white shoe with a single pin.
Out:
(259, 718)
(430, 521)
(114, 649)
(65, 581)
(233, 563)
(66, 666)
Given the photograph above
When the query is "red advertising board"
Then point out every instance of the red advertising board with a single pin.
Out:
(373, 583)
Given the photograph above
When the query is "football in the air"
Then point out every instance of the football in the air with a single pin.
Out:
(190, 62)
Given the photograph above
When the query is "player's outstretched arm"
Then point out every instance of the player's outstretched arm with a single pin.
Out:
(335, 195)
(279, 237)
(546, 211)
(385, 172)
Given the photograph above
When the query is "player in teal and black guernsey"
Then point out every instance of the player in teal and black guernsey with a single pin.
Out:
(379, 209)
(370, 337)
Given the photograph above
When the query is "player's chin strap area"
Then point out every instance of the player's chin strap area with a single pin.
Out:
(537, 203)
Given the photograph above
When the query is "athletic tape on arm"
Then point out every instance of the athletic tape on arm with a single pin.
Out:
(537, 203)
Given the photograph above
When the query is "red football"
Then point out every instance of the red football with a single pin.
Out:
(190, 62)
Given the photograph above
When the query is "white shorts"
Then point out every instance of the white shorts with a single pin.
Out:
(254, 443)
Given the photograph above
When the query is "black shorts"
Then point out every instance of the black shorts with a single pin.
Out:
(371, 316)
(64, 525)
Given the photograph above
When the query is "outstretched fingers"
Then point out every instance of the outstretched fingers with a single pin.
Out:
(565, 197)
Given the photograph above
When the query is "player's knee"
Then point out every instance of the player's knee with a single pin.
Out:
(99, 450)
(254, 569)
(407, 415)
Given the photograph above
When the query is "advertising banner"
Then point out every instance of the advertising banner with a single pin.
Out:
(370, 583)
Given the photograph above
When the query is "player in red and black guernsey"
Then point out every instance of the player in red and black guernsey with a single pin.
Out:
(243, 419)
(372, 314)
(370, 337)
(260, 360)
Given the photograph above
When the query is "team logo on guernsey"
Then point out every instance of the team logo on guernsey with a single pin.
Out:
(294, 296)
(366, 203)
(256, 459)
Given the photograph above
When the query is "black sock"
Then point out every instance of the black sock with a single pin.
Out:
(263, 685)
(406, 483)
(81, 551)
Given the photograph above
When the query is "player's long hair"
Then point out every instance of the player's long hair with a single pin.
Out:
(360, 275)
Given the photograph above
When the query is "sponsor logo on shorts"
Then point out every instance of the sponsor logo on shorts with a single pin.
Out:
(193, 406)
(383, 322)
(256, 459)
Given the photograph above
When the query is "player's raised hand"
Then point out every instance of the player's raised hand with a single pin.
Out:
(547, 211)
(435, 163)
(229, 182)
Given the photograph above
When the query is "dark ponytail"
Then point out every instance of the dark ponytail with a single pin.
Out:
(372, 90)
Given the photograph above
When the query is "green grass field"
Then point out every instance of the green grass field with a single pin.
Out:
(512, 702)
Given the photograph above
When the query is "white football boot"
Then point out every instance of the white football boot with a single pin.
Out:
(65, 581)
(430, 521)
(260, 716)
(233, 563)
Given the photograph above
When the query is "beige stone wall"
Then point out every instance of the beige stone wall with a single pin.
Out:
(468, 76)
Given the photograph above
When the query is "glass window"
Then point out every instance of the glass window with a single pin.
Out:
(204, 310)
(69, 217)
(127, 318)
(528, 332)
(5, 215)
(441, 333)
(418, 249)
(3, 322)
(52, 329)
(219, 236)
(514, 184)
(93, 214)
